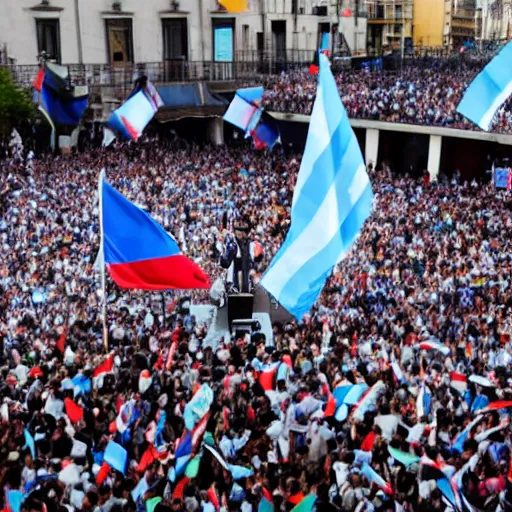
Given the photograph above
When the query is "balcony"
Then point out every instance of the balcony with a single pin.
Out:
(391, 12)
(464, 26)
(464, 14)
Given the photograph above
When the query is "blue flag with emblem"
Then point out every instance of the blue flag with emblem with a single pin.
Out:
(331, 201)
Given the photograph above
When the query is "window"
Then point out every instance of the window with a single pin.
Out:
(119, 41)
(223, 39)
(279, 39)
(175, 39)
(245, 37)
(259, 44)
(48, 38)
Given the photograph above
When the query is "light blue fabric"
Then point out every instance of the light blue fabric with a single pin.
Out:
(81, 385)
(30, 443)
(265, 506)
(140, 489)
(116, 457)
(480, 402)
(489, 90)
(198, 406)
(332, 199)
(239, 472)
(159, 440)
(283, 372)
(14, 500)
(445, 487)
(340, 393)
(181, 464)
(251, 94)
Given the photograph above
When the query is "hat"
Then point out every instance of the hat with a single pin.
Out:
(13, 456)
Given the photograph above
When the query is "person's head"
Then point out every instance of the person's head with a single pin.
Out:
(90, 500)
(29, 461)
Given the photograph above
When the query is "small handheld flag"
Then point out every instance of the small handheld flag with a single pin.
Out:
(138, 252)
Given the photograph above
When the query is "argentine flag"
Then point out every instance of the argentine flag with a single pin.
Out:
(489, 90)
(331, 201)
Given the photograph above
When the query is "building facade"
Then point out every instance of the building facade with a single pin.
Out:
(496, 20)
(460, 22)
(390, 25)
(121, 32)
(448, 23)
(428, 23)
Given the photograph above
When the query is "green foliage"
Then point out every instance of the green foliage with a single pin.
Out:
(16, 105)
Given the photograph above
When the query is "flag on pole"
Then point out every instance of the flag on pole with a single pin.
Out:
(130, 119)
(247, 114)
(331, 201)
(489, 90)
(138, 252)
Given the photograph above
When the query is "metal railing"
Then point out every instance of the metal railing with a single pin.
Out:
(246, 65)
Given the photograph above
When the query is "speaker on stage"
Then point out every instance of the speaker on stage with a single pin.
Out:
(239, 307)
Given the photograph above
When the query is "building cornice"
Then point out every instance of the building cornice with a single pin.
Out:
(46, 8)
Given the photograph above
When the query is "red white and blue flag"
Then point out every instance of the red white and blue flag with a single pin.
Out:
(138, 252)
(130, 119)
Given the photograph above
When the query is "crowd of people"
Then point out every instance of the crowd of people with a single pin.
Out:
(414, 95)
(393, 394)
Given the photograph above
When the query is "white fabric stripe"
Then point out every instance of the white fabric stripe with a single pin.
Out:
(343, 254)
(317, 141)
(486, 120)
(319, 232)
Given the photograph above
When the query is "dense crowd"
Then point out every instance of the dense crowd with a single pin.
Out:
(382, 399)
(414, 95)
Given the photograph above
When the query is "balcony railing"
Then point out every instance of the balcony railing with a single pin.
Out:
(246, 65)
(465, 14)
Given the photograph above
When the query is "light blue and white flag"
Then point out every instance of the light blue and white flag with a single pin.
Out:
(489, 90)
(331, 201)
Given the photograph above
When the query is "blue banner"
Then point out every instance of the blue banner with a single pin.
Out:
(500, 177)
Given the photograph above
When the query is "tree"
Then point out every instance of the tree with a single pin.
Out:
(16, 105)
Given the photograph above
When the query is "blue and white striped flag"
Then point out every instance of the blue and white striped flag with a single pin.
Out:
(331, 201)
(489, 90)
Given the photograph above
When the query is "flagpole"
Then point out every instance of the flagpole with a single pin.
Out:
(101, 258)
(163, 308)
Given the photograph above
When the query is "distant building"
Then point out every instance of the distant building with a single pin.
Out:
(496, 20)
(448, 23)
(390, 24)
(123, 32)
(460, 22)
(428, 23)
